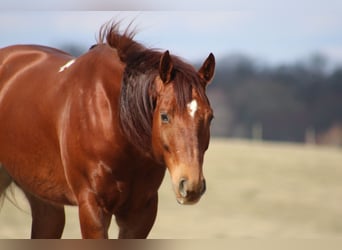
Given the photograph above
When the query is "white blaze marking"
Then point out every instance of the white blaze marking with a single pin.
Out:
(67, 65)
(192, 106)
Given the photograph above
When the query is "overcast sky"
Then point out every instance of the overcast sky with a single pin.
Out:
(275, 31)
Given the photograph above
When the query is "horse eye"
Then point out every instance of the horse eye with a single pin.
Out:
(164, 118)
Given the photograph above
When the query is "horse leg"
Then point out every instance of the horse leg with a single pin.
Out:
(94, 220)
(137, 224)
(48, 220)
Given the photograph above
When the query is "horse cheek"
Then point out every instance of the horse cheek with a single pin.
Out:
(157, 145)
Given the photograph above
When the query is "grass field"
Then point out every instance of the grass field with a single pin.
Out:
(254, 190)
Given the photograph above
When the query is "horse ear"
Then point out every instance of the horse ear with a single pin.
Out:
(166, 67)
(206, 72)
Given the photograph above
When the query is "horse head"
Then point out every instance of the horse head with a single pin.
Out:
(181, 124)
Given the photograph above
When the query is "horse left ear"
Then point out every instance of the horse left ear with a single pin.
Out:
(166, 67)
(206, 72)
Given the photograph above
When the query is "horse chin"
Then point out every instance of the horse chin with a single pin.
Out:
(184, 201)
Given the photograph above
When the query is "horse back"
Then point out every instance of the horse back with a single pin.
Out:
(17, 59)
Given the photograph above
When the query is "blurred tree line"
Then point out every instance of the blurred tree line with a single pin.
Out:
(296, 102)
(299, 102)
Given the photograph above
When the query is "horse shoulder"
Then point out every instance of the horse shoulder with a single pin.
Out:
(98, 96)
(88, 124)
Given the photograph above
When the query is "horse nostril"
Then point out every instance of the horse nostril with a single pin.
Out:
(204, 187)
(182, 188)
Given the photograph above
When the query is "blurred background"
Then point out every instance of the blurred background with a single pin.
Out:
(279, 66)
(274, 165)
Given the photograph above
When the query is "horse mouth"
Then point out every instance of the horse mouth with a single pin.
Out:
(187, 201)
(186, 195)
(189, 198)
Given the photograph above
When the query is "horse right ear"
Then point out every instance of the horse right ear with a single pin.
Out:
(166, 68)
(206, 72)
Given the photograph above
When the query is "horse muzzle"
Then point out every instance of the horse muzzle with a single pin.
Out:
(188, 193)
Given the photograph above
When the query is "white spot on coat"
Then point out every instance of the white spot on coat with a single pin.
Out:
(192, 107)
(67, 65)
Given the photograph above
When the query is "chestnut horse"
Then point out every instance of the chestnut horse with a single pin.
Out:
(98, 131)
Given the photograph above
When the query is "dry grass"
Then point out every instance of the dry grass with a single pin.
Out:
(257, 190)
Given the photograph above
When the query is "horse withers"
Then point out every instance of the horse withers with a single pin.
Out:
(99, 131)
